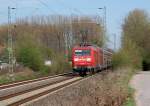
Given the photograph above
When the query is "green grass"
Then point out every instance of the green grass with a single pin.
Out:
(130, 100)
(4, 79)
(7, 79)
(124, 83)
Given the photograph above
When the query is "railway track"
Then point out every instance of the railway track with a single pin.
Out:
(2, 86)
(21, 92)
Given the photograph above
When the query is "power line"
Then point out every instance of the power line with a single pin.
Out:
(63, 4)
(34, 12)
(47, 6)
(70, 7)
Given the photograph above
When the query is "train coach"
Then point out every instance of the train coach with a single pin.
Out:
(87, 58)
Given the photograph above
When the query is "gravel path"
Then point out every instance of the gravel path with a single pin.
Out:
(141, 84)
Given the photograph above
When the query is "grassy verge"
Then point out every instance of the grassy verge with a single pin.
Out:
(108, 89)
(17, 77)
(104, 89)
(130, 91)
(130, 100)
(58, 67)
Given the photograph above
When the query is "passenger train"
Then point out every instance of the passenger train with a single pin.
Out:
(87, 58)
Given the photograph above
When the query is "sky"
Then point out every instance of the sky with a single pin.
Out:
(116, 11)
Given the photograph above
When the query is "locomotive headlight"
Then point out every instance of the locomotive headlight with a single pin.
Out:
(76, 59)
(88, 59)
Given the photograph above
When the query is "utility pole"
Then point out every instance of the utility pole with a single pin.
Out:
(105, 27)
(10, 44)
(66, 46)
(114, 42)
(105, 23)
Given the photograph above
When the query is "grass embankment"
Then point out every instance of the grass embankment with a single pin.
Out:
(130, 100)
(59, 67)
(117, 91)
(128, 56)
(130, 91)
(108, 89)
(104, 89)
(25, 74)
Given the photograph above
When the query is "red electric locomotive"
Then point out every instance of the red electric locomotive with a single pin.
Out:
(89, 58)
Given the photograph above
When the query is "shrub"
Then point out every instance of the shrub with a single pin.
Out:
(4, 56)
(29, 54)
(120, 59)
(129, 55)
(60, 64)
(146, 62)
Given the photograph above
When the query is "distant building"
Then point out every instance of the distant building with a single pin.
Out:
(48, 62)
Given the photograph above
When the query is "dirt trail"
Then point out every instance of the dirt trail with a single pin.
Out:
(141, 84)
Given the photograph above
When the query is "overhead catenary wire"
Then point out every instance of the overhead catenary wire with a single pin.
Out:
(47, 6)
(70, 7)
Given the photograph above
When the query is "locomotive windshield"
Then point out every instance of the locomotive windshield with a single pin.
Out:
(82, 52)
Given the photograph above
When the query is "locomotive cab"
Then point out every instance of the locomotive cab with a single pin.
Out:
(90, 58)
(84, 59)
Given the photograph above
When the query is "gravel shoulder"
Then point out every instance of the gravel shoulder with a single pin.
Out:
(141, 83)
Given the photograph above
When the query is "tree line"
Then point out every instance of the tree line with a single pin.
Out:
(135, 48)
(48, 37)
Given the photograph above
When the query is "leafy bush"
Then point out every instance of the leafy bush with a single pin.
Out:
(129, 55)
(136, 31)
(4, 56)
(146, 62)
(60, 64)
(120, 59)
(29, 54)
